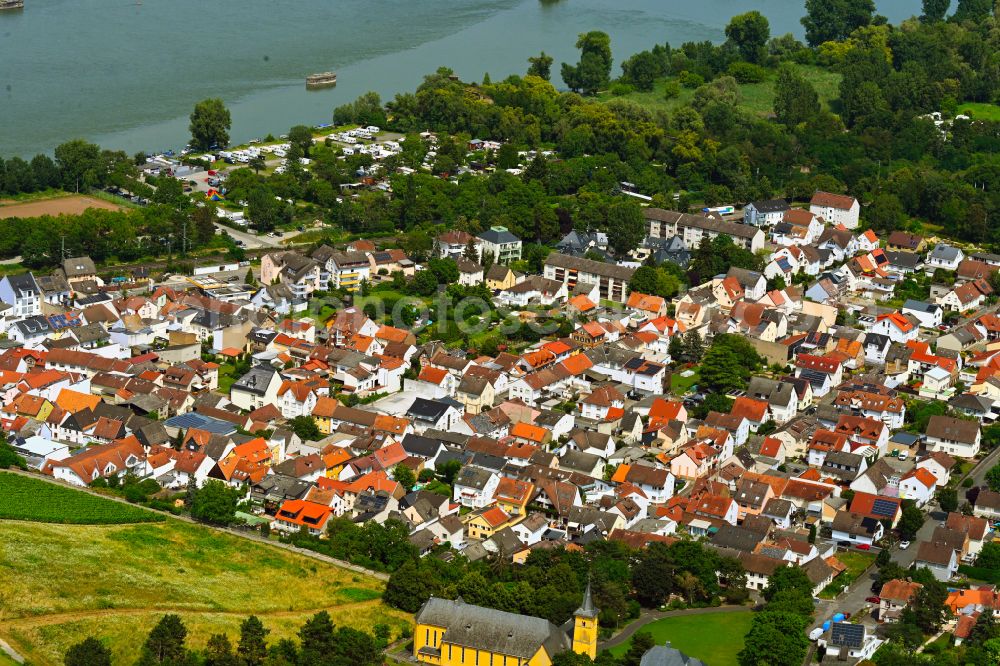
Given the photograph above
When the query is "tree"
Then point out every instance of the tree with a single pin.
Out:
(929, 611)
(219, 651)
(728, 363)
(252, 648)
(210, 123)
(78, 161)
(786, 580)
(88, 652)
(257, 163)
(775, 639)
(448, 471)
(471, 252)
(215, 503)
(301, 136)
(653, 576)
(165, 643)
(835, 20)
(540, 66)
(795, 99)
(404, 476)
(317, 638)
(934, 10)
(993, 478)
(305, 427)
(911, 521)
(9, 457)
(641, 70)
(642, 642)
(885, 212)
(973, 10)
(694, 346)
(626, 226)
(749, 33)
(948, 499)
(989, 556)
(593, 72)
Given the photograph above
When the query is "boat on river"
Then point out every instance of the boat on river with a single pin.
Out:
(321, 80)
(11, 4)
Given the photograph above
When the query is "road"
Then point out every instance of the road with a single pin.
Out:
(978, 473)
(250, 241)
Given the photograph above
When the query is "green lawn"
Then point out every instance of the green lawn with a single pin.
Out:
(980, 111)
(681, 385)
(715, 638)
(757, 98)
(24, 498)
(856, 561)
(227, 377)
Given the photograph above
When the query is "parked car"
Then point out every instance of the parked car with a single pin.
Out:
(873, 600)
(864, 546)
(903, 545)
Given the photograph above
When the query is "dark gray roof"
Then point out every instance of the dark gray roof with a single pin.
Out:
(945, 252)
(427, 410)
(23, 283)
(256, 380)
(770, 205)
(498, 235)
(701, 222)
(664, 655)
(492, 630)
(598, 268)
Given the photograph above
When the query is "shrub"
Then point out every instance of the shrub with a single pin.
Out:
(745, 72)
(618, 89)
(672, 89)
(690, 79)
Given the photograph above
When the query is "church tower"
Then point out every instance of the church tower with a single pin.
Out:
(585, 627)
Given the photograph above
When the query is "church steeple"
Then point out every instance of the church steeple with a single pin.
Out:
(585, 626)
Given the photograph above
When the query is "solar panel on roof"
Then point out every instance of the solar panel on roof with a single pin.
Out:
(883, 507)
(851, 635)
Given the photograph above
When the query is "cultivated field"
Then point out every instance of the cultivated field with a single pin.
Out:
(62, 583)
(67, 205)
(24, 498)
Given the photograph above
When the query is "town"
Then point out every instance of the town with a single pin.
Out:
(494, 373)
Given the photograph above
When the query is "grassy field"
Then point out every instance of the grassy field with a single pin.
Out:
(757, 98)
(227, 377)
(856, 562)
(680, 385)
(980, 111)
(56, 586)
(715, 638)
(24, 498)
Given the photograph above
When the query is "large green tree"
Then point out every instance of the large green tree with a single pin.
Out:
(626, 226)
(210, 123)
(252, 648)
(775, 639)
(973, 10)
(795, 99)
(593, 71)
(831, 20)
(540, 66)
(165, 643)
(934, 10)
(749, 33)
(215, 502)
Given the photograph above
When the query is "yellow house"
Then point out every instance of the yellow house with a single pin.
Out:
(500, 277)
(323, 413)
(484, 523)
(454, 633)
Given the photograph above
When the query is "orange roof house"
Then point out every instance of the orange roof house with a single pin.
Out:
(296, 514)
(530, 433)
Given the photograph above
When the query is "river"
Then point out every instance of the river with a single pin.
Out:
(126, 73)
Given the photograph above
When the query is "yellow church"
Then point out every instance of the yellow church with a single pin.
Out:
(454, 633)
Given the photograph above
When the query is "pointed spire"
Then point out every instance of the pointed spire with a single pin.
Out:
(587, 608)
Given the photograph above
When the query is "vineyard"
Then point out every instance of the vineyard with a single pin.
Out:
(24, 498)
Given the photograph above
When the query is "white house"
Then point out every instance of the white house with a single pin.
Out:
(836, 209)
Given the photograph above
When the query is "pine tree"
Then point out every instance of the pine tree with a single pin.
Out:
(252, 648)
(471, 252)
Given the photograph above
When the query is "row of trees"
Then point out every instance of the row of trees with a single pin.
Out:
(320, 643)
(550, 584)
